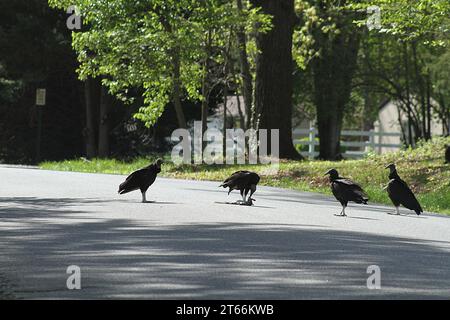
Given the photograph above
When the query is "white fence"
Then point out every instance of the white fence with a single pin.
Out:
(369, 140)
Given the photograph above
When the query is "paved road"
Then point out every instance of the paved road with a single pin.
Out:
(187, 244)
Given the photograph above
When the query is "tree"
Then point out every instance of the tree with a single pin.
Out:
(440, 77)
(89, 132)
(246, 76)
(330, 49)
(327, 44)
(35, 52)
(416, 33)
(426, 21)
(160, 46)
(274, 74)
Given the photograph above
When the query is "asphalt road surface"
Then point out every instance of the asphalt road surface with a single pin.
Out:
(190, 244)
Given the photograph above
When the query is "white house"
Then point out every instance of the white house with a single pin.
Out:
(235, 111)
(387, 134)
(388, 123)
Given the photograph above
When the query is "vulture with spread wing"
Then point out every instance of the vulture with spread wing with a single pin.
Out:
(245, 182)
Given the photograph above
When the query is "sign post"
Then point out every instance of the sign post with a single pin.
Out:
(40, 102)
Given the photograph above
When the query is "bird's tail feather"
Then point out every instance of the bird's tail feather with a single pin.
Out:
(419, 210)
(365, 198)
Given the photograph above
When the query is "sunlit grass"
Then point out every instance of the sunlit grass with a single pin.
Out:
(422, 168)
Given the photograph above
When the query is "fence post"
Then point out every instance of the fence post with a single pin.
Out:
(372, 140)
(380, 138)
(312, 140)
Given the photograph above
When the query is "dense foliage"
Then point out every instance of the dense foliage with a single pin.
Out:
(172, 61)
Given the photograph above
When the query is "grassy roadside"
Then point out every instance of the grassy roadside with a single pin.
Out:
(422, 168)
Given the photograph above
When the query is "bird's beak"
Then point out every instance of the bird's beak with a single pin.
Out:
(327, 173)
(388, 166)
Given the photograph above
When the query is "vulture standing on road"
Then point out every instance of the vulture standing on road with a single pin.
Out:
(141, 179)
(245, 182)
(400, 193)
(447, 154)
(345, 190)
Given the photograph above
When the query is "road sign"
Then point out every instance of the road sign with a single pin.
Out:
(41, 97)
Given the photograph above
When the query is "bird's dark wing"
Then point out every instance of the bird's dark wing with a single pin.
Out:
(240, 180)
(348, 190)
(400, 193)
(349, 182)
(352, 186)
(140, 179)
(254, 178)
(234, 178)
(136, 174)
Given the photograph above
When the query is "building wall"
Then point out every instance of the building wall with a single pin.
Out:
(388, 122)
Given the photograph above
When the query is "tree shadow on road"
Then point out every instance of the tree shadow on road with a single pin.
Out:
(123, 258)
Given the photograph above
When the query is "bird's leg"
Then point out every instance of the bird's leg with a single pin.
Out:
(243, 198)
(143, 197)
(397, 212)
(343, 211)
(249, 199)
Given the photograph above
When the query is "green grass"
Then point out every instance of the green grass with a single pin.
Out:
(422, 168)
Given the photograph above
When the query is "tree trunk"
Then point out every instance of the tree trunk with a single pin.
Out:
(104, 123)
(176, 94)
(176, 86)
(408, 94)
(205, 104)
(89, 131)
(429, 93)
(241, 113)
(333, 73)
(419, 82)
(247, 82)
(445, 115)
(206, 87)
(274, 79)
(224, 132)
(399, 119)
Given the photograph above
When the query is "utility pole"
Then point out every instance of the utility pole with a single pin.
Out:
(40, 103)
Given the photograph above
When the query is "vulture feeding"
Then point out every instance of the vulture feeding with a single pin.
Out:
(400, 193)
(245, 182)
(447, 154)
(345, 190)
(141, 179)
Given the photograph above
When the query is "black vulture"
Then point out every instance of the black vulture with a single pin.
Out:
(245, 182)
(400, 193)
(141, 179)
(447, 154)
(345, 190)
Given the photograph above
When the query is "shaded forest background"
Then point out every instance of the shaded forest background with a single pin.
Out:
(290, 60)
